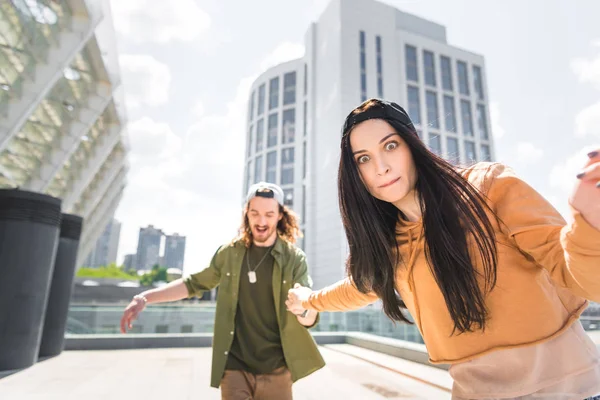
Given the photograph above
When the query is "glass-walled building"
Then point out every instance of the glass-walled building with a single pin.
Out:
(276, 133)
(62, 112)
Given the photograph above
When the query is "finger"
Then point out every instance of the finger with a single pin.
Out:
(593, 157)
(297, 285)
(591, 173)
(123, 324)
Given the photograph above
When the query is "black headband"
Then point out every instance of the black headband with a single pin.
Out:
(381, 110)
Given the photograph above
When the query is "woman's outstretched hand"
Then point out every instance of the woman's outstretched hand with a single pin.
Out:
(295, 298)
(586, 194)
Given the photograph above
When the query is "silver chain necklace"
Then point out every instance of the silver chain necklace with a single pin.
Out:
(252, 272)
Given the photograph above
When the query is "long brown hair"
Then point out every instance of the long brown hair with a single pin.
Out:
(454, 212)
(288, 227)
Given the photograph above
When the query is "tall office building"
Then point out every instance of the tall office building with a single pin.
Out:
(148, 250)
(62, 111)
(174, 251)
(129, 262)
(107, 245)
(359, 49)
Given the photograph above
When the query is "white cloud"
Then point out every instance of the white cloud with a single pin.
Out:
(153, 140)
(497, 130)
(596, 43)
(160, 22)
(587, 71)
(195, 187)
(191, 186)
(528, 153)
(286, 51)
(146, 80)
(198, 109)
(587, 121)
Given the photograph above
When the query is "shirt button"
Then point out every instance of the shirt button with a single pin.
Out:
(231, 333)
(226, 353)
(283, 281)
(228, 274)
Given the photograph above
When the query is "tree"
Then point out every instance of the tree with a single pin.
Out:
(157, 274)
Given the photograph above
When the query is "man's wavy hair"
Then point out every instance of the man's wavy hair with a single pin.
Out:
(288, 227)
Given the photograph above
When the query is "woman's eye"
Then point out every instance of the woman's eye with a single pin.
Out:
(362, 159)
(391, 145)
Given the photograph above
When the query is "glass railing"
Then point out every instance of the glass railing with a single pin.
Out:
(199, 318)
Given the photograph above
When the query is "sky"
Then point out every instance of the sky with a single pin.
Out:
(187, 66)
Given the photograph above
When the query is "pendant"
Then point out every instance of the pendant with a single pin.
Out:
(252, 276)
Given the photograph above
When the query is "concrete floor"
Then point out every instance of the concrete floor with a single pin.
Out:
(183, 374)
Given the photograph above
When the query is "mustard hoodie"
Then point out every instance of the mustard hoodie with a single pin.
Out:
(546, 271)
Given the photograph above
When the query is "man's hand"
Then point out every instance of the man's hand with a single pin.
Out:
(295, 298)
(131, 313)
(586, 194)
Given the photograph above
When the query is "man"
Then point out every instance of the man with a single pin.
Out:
(259, 348)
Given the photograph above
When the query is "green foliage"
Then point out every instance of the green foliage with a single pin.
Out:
(157, 274)
(109, 271)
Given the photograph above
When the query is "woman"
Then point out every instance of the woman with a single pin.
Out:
(491, 274)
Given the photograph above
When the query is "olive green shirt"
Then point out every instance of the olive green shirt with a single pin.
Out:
(300, 351)
(256, 346)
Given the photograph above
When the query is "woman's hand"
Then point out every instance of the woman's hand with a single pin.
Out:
(295, 298)
(586, 194)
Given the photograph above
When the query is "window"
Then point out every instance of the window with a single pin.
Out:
(187, 328)
(463, 78)
(303, 216)
(414, 105)
(258, 175)
(260, 128)
(273, 93)
(470, 154)
(467, 122)
(304, 120)
(249, 142)
(248, 176)
(453, 151)
(432, 110)
(429, 64)
(305, 79)
(435, 143)
(272, 166)
(289, 126)
(412, 69)
(485, 153)
(272, 130)
(363, 66)
(261, 99)
(482, 122)
(251, 107)
(446, 74)
(287, 166)
(478, 81)
(289, 88)
(161, 329)
(450, 113)
(304, 160)
(379, 67)
(288, 197)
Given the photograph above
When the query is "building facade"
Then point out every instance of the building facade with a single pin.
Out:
(62, 109)
(148, 250)
(174, 251)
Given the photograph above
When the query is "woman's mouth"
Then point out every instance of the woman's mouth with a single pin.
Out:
(390, 183)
